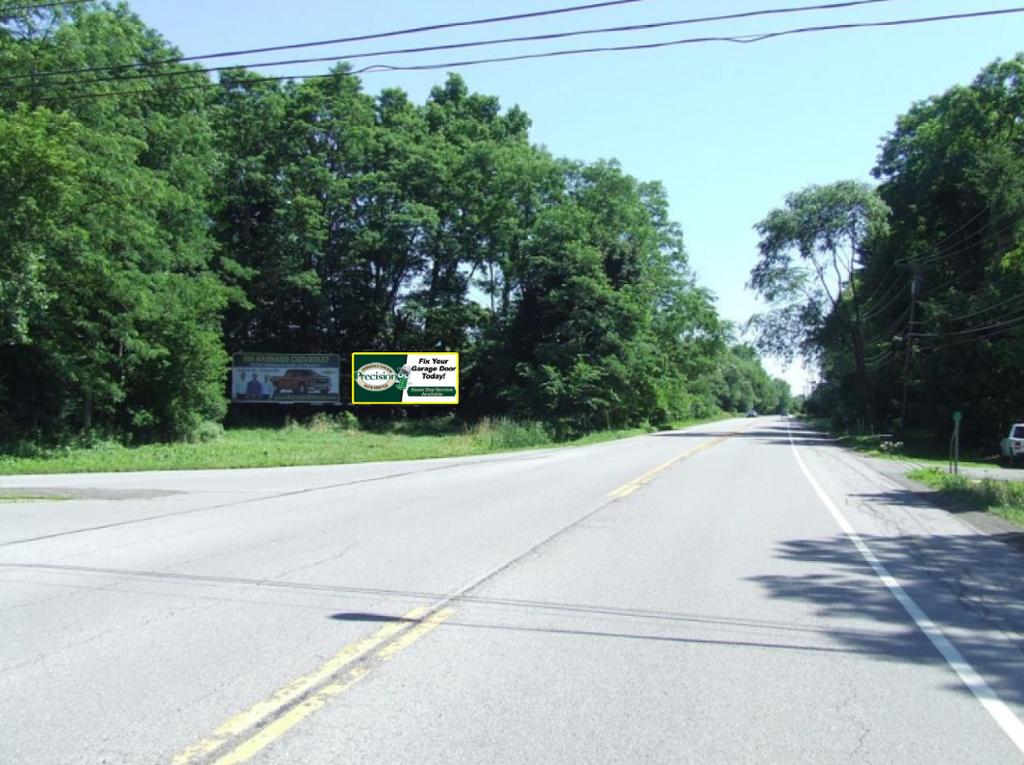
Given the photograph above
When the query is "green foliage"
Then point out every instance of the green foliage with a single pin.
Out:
(743, 384)
(299, 444)
(149, 232)
(809, 252)
(951, 172)
(322, 422)
(502, 433)
(206, 431)
(108, 291)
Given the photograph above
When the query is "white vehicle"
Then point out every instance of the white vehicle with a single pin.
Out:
(1012, 447)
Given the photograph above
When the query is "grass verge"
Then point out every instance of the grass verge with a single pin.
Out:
(1002, 498)
(15, 496)
(320, 442)
(921, 448)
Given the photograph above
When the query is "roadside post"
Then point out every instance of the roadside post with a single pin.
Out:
(954, 444)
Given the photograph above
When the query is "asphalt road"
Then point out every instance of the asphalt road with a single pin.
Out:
(729, 593)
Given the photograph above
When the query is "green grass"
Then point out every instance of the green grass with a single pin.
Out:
(921, 448)
(16, 496)
(1002, 498)
(321, 442)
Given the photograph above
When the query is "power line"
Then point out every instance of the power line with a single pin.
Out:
(965, 244)
(942, 246)
(986, 309)
(874, 366)
(1016, 317)
(977, 333)
(879, 308)
(972, 269)
(968, 243)
(356, 38)
(881, 289)
(742, 39)
(964, 225)
(448, 46)
(890, 330)
(977, 338)
(40, 6)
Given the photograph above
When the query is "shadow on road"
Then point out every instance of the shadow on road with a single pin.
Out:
(972, 588)
(362, 616)
(651, 634)
(775, 433)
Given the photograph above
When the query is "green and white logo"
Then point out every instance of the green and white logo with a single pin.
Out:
(376, 377)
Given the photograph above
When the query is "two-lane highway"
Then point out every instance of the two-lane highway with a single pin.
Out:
(736, 592)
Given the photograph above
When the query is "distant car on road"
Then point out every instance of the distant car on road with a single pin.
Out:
(1012, 447)
(301, 381)
(752, 413)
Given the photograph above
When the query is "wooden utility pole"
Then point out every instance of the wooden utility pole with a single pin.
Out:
(914, 284)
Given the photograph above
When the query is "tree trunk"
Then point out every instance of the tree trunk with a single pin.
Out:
(87, 412)
(859, 362)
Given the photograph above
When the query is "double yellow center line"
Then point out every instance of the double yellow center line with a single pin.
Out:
(630, 486)
(248, 733)
(269, 719)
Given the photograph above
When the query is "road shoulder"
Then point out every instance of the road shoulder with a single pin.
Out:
(984, 523)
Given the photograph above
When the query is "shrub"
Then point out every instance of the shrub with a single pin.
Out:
(205, 431)
(324, 422)
(504, 433)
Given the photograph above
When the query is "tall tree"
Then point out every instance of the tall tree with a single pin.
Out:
(952, 171)
(111, 233)
(810, 254)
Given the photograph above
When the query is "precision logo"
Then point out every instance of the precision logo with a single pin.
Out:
(376, 377)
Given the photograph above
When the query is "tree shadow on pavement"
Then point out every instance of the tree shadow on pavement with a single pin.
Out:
(971, 587)
(683, 630)
(775, 434)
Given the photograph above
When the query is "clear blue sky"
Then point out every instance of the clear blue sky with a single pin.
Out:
(729, 129)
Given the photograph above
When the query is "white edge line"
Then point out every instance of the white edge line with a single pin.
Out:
(1001, 713)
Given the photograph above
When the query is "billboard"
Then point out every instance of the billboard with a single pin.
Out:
(405, 378)
(285, 378)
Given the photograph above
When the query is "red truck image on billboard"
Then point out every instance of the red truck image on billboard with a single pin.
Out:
(285, 378)
(301, 381)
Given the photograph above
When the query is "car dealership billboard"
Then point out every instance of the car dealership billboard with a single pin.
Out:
(285, 378)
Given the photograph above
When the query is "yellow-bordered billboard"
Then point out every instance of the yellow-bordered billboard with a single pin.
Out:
(395, 378)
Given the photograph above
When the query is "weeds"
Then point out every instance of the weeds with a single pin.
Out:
(1003, 498)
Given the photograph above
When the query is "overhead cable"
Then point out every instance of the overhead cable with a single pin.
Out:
(39, 6)
(440, 47)
(742, 39)
(355, 38)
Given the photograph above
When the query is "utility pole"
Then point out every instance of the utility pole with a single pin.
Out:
(915, 283)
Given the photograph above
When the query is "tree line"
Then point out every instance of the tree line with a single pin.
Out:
(154, 221)
(908, 294)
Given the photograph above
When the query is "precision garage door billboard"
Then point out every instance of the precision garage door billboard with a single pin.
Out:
(405, 378)
(285, 378)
